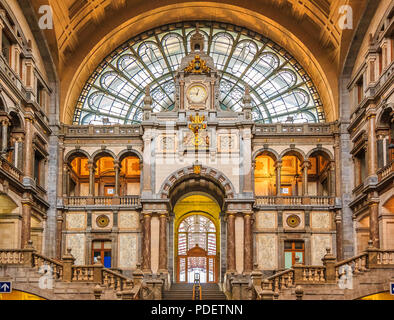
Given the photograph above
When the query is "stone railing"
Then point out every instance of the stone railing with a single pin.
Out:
(129, 200)
(385, 258)
(40, 262)
(294, 129)
(313, 274)
(322, 201)
(66, 271)
(84, 273)
(294, 200)
(97, 130)
(81, 201)
(357, 264)
(282, 280)
(11, 169)
(330, 273)
(386, 171)
(13, 256)
(115, 280)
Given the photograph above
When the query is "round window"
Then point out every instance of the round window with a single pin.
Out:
(102, 221)
(293, 221)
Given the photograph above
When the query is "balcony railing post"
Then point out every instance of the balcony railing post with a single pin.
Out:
(28, 254)
(298, 271)
(372, 255)
(68, 261)
(329, 262)
(98, 271)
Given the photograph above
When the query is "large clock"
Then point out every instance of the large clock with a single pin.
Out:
(197, 93)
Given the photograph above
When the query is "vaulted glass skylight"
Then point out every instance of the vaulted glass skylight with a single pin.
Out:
(281, 90)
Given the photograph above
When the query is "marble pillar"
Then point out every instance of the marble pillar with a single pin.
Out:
(230, 242)
(248, 243)
(163, 243)
(278, 167)
(26, 224)
(374, 223)
(146, 248)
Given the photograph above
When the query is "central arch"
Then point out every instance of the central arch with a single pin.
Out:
(197, 238)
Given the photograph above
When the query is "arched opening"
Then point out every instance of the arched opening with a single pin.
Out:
(319, 175)
(104, 177)
(197, 238)
(291, 174)
(77, 184)
(129, 177)
(385, 141)
(265, 175)
(9, 223)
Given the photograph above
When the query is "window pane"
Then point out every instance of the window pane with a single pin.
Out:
(298, 245)
(288, 260)
(287, 245)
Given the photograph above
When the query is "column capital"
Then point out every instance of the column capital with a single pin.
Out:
(278, 164)
(306, 164)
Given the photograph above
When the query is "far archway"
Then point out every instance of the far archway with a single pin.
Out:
(197, 238)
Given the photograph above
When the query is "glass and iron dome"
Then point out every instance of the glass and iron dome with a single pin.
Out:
(281, 90)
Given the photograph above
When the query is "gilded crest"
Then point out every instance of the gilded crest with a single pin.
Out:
(198, 66)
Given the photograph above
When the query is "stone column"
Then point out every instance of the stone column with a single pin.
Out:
(4, 130)
(91, 167)
(1, 30)
(147, 163)
(248, 242)
(332, 179)
(26, 223)
(29, 153)
(182, 94)
(66, 180)
(338, 225)
(230, 242)
(247, 160)
(163, 243)
(278, 166)
(146, 246)
(305, 166)
(372, 146)
(59, 229)
(374, 223)
(117, 172)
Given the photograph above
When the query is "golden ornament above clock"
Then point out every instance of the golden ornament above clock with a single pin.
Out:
(197, 93)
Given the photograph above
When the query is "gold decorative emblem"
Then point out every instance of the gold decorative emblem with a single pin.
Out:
(196, 168)
(102, 221)
(197, 124)
(197, 65)
(293, 221)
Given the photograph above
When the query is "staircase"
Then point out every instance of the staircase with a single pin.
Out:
(184, 291)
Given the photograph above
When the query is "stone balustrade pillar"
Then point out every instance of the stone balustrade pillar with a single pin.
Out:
(163, 243)
(146, 246)
(68, 261)
(329, 262)
(248, 242)
(230, 242)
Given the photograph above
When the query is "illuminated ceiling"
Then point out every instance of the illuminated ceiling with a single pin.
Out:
(280, 88)
(86, 31)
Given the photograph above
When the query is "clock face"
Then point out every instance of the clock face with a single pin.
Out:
(197, 93)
